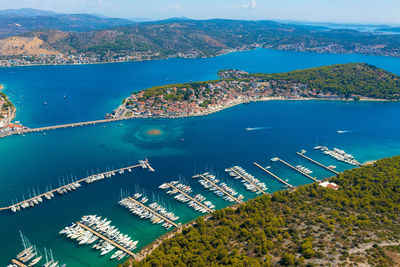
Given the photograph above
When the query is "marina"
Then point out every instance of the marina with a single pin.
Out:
(155, 212)
(297, 168)
(14, 261)
(339, 155)
(32, 201)
(31, 256)
(273, 175)
(210, 182)
(253, 185)
(316, 162)
(194, 202)
(91, 228)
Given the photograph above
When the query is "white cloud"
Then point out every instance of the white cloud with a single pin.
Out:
(250, 5)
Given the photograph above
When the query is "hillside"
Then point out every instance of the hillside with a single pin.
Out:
(345, 80)
(25, 46)
(18, 21)
(202, 38)
(357, 224)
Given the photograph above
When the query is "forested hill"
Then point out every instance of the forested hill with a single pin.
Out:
(357, 224)
(345, 79)
(200, 38)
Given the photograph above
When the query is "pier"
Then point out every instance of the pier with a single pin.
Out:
(107, 240)
(18, 263)
(191, 198)
(154, 212)
(273, 175)
(316, 162)
(219, 188)
(249, 181)
(146, 163)
(294, 168)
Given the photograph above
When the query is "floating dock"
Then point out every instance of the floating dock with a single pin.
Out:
(273, 175)
(78, 181)
(18, 263)
(191, 198)
(249, 181)
(316, 162)
(154, 212)
(294, 168)
(107, 240)
(219, 188)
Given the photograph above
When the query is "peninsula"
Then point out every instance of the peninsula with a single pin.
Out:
(353, 81)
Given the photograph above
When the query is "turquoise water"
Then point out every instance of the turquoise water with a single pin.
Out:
(210, 143)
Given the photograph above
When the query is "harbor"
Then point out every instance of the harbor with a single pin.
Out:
(298, 169)
(252, 184)
(273, 175)
(154, 212)
(37, 199)
(316, 162)
(31, 256)
(197, 202)
(91, 228)
(209, 181)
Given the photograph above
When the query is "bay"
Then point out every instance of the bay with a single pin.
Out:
(185, 147)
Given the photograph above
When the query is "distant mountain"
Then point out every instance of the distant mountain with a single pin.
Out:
(27, 12)
(389, 29)
(17, 21)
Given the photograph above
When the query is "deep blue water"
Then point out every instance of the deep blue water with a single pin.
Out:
(211, 143)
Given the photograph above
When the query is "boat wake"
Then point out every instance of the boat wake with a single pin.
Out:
(256, 128)
(343, 131)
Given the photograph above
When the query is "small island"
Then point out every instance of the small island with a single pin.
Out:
(353, 81)
(153, 132)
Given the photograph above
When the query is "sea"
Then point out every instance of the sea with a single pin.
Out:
(29, 164)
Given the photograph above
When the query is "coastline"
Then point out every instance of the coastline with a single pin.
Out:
(210, 56)
(11, 112)
(243, 101)
(157, 242)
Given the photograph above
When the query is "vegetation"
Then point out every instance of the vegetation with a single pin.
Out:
(7, 103)
(345, 80)
(197, 38)
(357, 224)
(165, 90)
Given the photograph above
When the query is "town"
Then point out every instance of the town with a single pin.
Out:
(203, 98)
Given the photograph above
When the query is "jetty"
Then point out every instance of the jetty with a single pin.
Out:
(189, 197)
(316, 162)
(18, 263)
(153, 211)
(144, 164)
(107, 240)
(273, 175)
(296, 169)
(220, 189)
(249, 181)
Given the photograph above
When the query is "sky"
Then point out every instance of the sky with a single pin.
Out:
(340, 11)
